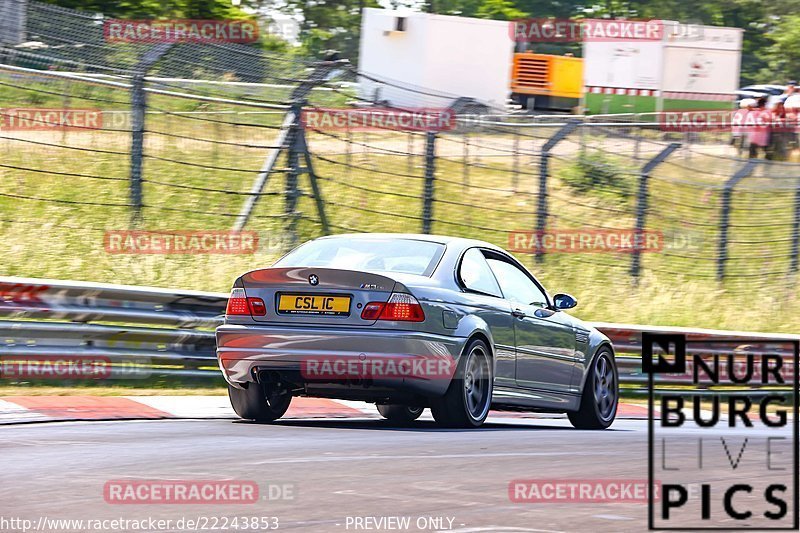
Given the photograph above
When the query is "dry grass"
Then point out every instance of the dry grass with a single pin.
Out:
(382, 192)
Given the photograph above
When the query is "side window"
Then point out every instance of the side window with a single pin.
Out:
(475, 274)
(516, 285)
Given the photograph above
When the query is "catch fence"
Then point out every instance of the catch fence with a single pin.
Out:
(210, 137)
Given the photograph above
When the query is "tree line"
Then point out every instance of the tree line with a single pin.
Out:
(771, 49)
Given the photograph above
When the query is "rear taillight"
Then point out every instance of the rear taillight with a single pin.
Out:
(237, 303)
(401, 307)
(240, 304)
(372, 311)
(257, 306)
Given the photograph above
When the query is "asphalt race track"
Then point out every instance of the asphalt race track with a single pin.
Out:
(338, 471)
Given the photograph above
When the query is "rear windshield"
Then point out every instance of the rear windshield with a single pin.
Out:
(384, 255)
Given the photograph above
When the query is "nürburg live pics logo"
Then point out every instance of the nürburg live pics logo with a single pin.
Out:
(723, 432)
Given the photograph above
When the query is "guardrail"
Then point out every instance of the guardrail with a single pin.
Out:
(174, 335)
(627, 340)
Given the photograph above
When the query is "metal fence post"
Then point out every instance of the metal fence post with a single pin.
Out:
(796, 233)
(642, 200)
(292, 117)
(430, 177)
(138, 105)
(541, 212)
(15, 21)
(291, 191)
(138, 108)
(66, 105)
(300, 146)
(725, 214)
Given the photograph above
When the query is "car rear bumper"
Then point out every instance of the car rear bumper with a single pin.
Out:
(404, 361)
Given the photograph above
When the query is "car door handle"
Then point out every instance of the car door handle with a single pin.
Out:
(518, 313)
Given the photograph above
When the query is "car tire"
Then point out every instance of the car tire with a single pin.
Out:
(468, 398)
(253, 403)
(401, 414)
(600, 395)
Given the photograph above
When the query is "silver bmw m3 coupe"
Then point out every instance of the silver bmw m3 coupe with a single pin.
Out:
(410, 322)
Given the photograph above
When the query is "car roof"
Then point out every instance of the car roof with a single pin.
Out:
(768, 85)
(764, 87)
(440, 239)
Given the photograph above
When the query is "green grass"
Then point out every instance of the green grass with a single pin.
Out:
(492, 196)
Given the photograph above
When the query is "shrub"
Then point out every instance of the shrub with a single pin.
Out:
(598, 173)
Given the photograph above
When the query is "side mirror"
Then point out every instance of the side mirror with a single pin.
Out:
(564, 301)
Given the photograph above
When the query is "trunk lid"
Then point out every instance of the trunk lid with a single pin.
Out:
(310, 295)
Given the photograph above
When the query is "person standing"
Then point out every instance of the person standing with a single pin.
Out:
(792, 106)
(758, 128)
(738, 125)
(778, 142)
